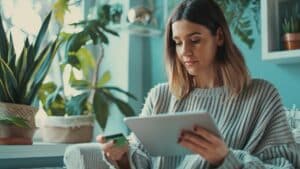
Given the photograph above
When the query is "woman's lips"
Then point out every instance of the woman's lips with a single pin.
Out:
(190, 63)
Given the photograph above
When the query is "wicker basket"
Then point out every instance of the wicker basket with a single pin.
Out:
(71, 129)
(16, 135)
(19, 110)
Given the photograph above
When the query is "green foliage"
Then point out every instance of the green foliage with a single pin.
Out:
(13, 120)
(52, 100)
(60, 7)
(243, 17)
(291, 22)
(55, 103)
(116, 12)
(21, 77)
(291, 25)
(92, 30)
(94, 95)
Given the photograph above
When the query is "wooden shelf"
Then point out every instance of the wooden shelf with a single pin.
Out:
(271, 34)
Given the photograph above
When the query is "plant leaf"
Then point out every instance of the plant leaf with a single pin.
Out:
(40, 72)
(124, 107)
(104, 79)
(22, 63)
(110, 31)
(14, 120)
(101, 108)
(78, 84)
(121, 91)
(45, 90)
(240, 19)
(77, 104)
(102, 36)
(4, 96)
(60, 7)
(3, 42)
(86, 60)
(12, 55)
(9, 81)
(75, 42)
(55, 104)
(81, 84)
(41, 34)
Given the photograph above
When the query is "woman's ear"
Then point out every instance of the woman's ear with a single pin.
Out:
(220, 37)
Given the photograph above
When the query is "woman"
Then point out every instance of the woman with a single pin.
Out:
(207, 71)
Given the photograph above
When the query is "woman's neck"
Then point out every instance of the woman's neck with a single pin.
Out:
(208, 79)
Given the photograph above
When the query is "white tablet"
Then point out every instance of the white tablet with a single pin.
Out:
(159, 133)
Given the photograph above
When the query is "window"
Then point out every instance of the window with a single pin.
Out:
(23, 18)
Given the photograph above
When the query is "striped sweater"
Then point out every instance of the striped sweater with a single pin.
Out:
(253, 125)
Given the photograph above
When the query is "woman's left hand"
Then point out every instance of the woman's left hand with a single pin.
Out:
(204, 143)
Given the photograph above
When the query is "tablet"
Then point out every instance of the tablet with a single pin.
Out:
(159, 133)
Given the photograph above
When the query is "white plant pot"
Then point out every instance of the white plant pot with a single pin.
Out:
(69, 129)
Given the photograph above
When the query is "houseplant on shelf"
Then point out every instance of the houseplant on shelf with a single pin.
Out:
(20, 79)
(291, 30)
(70, 117)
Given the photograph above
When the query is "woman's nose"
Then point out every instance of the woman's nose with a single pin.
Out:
(186, 50)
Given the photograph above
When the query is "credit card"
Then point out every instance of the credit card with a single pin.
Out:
(119, 139)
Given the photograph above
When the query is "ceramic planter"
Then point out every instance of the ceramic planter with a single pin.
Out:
(10, 134)
(291, 41)
(70, 129)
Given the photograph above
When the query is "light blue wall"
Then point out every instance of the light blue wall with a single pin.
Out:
(285, 77)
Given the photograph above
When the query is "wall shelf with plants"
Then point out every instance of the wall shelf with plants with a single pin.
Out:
(279, 17)
(142, 18)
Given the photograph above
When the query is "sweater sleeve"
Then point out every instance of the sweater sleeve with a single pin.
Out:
(138, 156)
(272, 144)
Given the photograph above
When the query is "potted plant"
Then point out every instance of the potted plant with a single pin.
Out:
(116, 11)
(291, 30)
(70, 118)
(20, 79)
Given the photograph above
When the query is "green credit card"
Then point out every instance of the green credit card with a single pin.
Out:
(119, 139)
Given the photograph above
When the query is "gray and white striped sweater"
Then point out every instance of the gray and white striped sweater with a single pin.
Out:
(253, 125)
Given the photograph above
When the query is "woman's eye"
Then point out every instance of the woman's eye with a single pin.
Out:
(195, 40)
(177, 43)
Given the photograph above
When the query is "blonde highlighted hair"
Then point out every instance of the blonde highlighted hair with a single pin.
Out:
(230, 64)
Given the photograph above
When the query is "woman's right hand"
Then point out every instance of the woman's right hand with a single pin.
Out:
(111, 151)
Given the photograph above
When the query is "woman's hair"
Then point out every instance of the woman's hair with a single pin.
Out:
(230, 64)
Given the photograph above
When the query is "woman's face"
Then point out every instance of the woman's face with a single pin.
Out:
(196, 47)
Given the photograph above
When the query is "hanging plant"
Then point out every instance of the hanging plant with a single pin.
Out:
(242, 17)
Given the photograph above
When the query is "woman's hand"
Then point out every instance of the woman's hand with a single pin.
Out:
(204, 143)
(111, 151)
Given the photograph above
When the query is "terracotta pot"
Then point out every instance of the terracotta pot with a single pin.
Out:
(291, 41)
(71, 129)
(10, 134)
